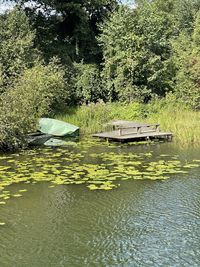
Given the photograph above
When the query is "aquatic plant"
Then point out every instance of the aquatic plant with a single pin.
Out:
(101, 170)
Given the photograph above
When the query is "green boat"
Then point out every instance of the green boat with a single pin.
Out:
(57, 128)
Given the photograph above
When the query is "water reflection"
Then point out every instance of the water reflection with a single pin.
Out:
(142, 223)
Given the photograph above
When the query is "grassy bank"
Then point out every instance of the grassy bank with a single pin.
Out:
(174, 117)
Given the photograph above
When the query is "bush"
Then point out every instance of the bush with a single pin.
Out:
(31, 97)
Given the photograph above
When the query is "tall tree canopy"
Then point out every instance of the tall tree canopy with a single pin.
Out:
(67, 28)
(187, 60)
(16, 46)
(137, 50)
(184, 11)
(113, 52)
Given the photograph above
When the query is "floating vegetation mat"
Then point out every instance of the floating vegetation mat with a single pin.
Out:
(98, 165)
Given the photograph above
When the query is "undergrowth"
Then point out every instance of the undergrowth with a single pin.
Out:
(173, 116)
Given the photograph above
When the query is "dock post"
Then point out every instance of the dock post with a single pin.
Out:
(158, 128)
(138, 130)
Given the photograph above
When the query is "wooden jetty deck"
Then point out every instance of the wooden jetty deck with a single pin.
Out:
(126, 131)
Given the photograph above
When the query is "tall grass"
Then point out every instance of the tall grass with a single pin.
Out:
(172, 116)
(93, 118)
(184, 123)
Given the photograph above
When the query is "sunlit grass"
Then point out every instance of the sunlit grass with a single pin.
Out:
(182, 122)
(93, 118)
(185, 124)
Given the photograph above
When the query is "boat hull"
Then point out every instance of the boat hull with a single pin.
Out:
(37, 139)
(57, 128)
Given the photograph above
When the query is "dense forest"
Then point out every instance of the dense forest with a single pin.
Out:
(56, 53)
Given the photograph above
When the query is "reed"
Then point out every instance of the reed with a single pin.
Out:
(93, 118)
(183, 122)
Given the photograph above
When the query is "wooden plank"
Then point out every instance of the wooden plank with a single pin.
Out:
(132, 136)
(128, 123)
(139, 127)
(129, 130)
(123, 123)
(115, 134)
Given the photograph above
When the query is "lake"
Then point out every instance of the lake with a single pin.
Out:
(98, 204)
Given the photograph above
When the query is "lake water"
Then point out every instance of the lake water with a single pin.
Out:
(143, 222)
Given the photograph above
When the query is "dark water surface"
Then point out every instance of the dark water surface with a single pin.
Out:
(140, 223)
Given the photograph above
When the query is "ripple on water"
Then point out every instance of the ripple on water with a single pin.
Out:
(142, 223)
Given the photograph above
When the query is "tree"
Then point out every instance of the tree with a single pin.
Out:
(16, 46)
(88, 84)
(68, 29)
(187, 60)
(183, 11)
(137, 53)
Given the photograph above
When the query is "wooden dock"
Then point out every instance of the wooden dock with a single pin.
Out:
(127, 131)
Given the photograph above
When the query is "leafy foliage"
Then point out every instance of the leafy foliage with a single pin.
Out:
(67, 29)
(137, 50)
(88, 85)
(183, 11)
(29, 98)
(16, 46)
(187, 59)
(108, 52)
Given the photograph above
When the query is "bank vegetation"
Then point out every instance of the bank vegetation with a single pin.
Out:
(88, 62)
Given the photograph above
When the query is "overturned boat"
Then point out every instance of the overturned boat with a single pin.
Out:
(37, 139)
(57, 128)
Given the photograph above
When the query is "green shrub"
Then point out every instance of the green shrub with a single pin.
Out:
(31, 97)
